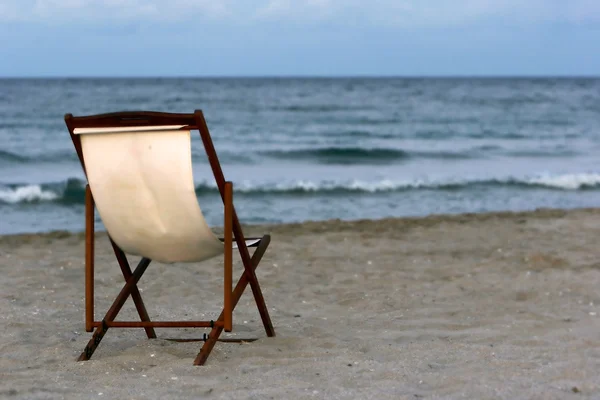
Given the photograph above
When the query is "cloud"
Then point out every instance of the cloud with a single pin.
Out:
(62, 11)
(399, 13)
(428, 13)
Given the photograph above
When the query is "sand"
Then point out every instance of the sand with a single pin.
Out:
(501, 305)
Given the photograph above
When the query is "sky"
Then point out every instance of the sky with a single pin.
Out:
(57, 38)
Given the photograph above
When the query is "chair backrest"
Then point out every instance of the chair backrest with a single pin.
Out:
(142, 183)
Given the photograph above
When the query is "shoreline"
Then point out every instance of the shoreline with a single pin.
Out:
(320, 225)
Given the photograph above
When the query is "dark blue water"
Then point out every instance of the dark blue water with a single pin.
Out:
(300, 149)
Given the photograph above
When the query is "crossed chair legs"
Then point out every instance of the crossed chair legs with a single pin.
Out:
(130, 288)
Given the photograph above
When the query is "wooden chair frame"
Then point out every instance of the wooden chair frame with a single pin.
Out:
(232, 231)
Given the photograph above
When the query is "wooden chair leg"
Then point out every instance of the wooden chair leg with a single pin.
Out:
(214, 334)
(135, 293)
(113, 311)
(228, 257)
(89, 259)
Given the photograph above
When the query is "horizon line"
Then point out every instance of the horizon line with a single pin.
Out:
(316, 76)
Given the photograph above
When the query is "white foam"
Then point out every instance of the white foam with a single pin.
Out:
(566, 181)
(26, 193)
(559, 181)
(327, 185)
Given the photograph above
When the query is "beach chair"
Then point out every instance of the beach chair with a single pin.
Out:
(138, 167)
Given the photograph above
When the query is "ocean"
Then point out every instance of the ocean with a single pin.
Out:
(302, 149)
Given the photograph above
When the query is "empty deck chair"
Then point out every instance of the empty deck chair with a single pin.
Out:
(139, 172)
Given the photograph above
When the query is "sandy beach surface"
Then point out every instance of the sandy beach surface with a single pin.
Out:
(486, 306)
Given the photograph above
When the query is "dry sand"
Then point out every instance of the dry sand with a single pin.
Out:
(472, 306)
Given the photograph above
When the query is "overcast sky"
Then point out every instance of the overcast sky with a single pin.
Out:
(310, 37)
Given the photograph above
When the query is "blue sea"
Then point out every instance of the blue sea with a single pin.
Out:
(317, 148)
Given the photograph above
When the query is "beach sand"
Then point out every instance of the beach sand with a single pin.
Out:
(503, 305)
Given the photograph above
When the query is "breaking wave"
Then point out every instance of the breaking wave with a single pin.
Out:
(72, 191)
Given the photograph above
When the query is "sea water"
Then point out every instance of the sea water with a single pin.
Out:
(317, 148)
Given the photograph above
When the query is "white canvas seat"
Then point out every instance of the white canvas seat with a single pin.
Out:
(144, 191)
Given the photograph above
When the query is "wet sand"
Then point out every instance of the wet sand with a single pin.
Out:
(502, 305)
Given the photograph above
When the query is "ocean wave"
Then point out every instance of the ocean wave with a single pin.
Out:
(566, 181)
(335, 155)
(26, 194)
(72, 191)
(8, 157)
(311, 108)
(69, 191)
(383, 155)
(360, 155)
(327, 155)
(69, 155)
